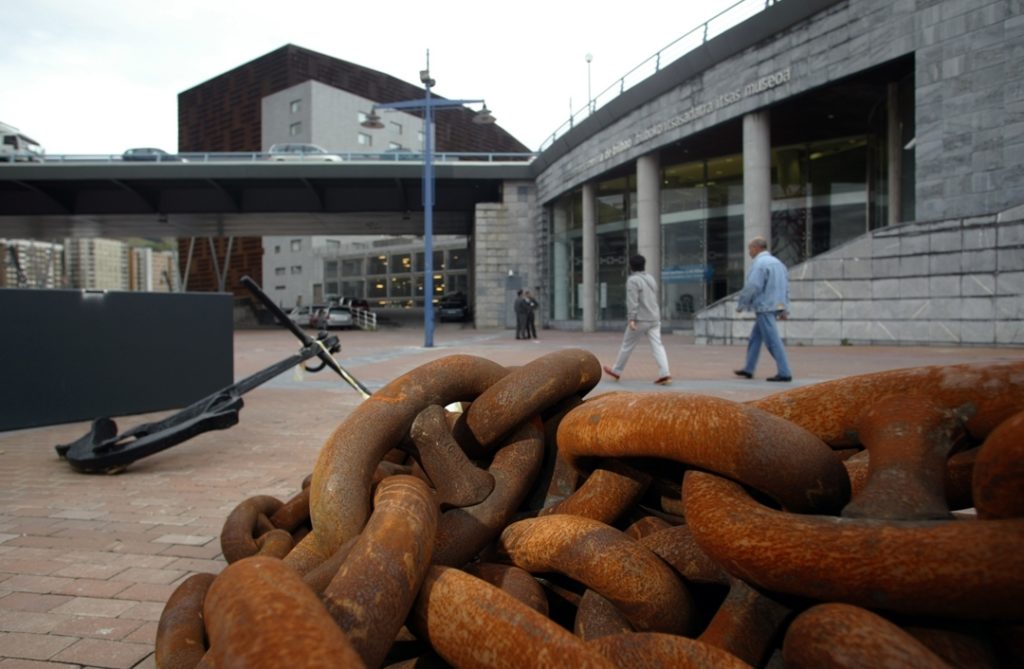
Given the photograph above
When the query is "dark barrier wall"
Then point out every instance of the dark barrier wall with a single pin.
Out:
(71, 355)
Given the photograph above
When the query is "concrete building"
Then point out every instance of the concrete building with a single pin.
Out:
(29, 263)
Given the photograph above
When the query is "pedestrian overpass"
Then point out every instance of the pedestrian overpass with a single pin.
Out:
(247, 195)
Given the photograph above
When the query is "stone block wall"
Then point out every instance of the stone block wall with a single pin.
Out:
(505, 253)
(954, 282)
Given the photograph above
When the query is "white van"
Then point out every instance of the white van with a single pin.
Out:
(15, 146)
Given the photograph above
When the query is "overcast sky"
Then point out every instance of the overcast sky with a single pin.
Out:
(100, 76)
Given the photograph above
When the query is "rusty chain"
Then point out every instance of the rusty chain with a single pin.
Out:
(867, 521)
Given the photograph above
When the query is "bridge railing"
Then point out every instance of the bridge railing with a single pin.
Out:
(340, 156)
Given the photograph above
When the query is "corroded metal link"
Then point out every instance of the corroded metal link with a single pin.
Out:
(275, 543)
(909, 439)
(515, 581)
(991, 392)
(957, 568)
(374, 589)
(604, 559)
(258, 613)
(457, 480)
(968, 648)
(597, 617)
(238, 536)
(652, 650)
(180, 634)
(558, 478)
(747, 623)
(844, 636)
(676, 546)
(529, 390)
(611, 489)
(959, 469)
(292, 513)
(321, 576)
(462, 533)
(746, 444)
(343, 475)
(998, 482)
(474, 625)
(645, 525)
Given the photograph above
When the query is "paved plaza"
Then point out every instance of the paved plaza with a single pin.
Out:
(87, 561)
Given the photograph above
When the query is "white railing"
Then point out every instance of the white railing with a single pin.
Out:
(341, 156)
(719, 23)
(364, 320)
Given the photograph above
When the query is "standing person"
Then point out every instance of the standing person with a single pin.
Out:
(531, 319)
(766, 293)
(521, 309)
(644, 317)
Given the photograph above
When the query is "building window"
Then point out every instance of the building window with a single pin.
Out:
(296, 269)
(352, 267)
(296, 245)
(333, 245)
(396, 128)
(331, 267)
(295, 129)
(277, 248)
(296, 106)
(377, 265)
(279, 271)
(361, 117)
(364, 139)
(401, 263)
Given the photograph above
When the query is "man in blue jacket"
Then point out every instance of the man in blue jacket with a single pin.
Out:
(766, 293)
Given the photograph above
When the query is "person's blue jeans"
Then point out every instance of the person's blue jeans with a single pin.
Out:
(766, 331)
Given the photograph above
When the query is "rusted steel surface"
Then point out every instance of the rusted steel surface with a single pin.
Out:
(746, 444)
(374, 589)
(609, 491)
(909, 438)
(998, 483)
(651, 650)
(462, 533)
(340, 490)
(515, 581)
(647, 592)
(696, 516)
(180, 634)
(474, 625)
(747, 623)
(259, 613)
(238, 536)
(956, 569)
(844, 636)
(457, 480)
(530, 389)
(989, 392)
(597, 617)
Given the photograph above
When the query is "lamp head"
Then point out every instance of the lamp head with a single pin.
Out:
(373, 120)
(425, 78)
(484, 116)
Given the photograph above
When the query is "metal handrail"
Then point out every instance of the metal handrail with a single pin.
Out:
(670, 53)
(344, 156)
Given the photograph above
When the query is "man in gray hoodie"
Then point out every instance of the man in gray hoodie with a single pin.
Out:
(644, 318)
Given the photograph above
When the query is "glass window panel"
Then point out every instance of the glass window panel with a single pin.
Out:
(352, 267)
(401, 263)
(377, 265)
(458, 259)
(401, 286)
(376, 288)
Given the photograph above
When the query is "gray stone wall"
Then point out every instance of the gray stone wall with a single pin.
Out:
(953, 282)
(505, 253)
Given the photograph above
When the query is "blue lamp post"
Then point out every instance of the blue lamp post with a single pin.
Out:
(428, 104)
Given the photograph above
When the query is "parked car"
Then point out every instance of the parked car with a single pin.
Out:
(454, 307)
(337, 317)
(354, 303)
(304, 316)
(150, 154)
(311, 152)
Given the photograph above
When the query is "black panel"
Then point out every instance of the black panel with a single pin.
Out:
(70, 355)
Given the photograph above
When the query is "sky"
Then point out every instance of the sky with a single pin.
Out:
(100, 76)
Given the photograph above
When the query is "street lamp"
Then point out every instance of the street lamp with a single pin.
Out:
(590, 98)
(428, 105)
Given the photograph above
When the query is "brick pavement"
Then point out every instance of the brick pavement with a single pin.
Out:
(87, 561)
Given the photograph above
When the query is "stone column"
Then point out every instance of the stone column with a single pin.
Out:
(757, 180)
(561, 272)
(648, 212)
(589, 297)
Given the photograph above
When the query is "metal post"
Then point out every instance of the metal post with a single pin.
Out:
(428, 221)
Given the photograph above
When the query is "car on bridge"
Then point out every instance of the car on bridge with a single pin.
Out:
(309, 152)
(151, 154)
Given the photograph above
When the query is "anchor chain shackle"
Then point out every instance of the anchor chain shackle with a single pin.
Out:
(343, 474)
(741, 442)
(955, 569)
(989, 393)
(604, 559)
(247, 521)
